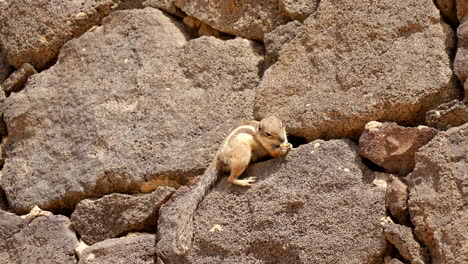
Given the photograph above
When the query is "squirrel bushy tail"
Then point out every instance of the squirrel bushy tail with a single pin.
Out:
(175, 222)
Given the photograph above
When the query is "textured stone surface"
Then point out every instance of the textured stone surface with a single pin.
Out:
(135, 102)
(448, 10)
(354, 62)
(248, 19)
(403, 239)
(165, 5)
(392, 146)
(451, 114)
(462, 9)
(275, 40)
(5, 68)
(46, 239)
(395, 261)
(396, 199)
(125, 250)
(117, 214)
(36, 38)
(302, 210)
(438, 196)
(17, 79)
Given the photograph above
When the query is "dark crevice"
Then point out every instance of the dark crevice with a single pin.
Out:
(372, 166)
(297, 141)
(453, 23)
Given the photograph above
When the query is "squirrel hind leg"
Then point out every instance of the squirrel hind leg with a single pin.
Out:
(237, 168)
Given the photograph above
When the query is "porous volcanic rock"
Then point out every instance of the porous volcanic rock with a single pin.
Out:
(462, 9)
(451, 114)
(275, 40)
(403, 239)
(117, 214)
(357, 61)
(46, 239)
(125, 250)
(17, 79)
(33, 31)
(448, 10)
(5, 68)
(438, 196)
(248, 19)
(130, 102)
(317, 206)
(392, 146)
(165, 5)
(396, 199)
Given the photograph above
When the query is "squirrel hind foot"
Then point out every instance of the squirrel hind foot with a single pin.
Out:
(247, 182)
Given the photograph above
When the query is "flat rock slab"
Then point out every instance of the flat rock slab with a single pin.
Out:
(248, 19)
(126, 250)
(392, 146)
(46, 239)
(317, 206)
(437, 199)
(117, 214)
(36, 38)
(130, 102)
(353, 62)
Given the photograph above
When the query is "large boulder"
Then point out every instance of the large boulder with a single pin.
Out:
(317, 206)
(46, 239)
(357, 61)
(118, 214)
(33, 31)
(126, 250)
(131, 102)
(438, 196)
(249, 19)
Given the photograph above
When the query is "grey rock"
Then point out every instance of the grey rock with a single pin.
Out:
(126, 250)
(18, 78)
(403, 239)
(118, 214)
(438, 201)
(148, 106)
(36, 38)
(248, 19)
(392, 146)
(396, 199)
(317, 206)
(353, 62)
(275, 40)
(451, 114)
(46, 239)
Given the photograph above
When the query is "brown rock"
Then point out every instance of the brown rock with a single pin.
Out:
(150, 105)
(17, 79)
(392, 146)
(438, 202)
(451, 114)
(275, 40)
(5, 67)
(46, 239)
(353, 62)
(117, 214)
(460, 65)
(403, 239)
(302, 210)
(248, 19)
(462, 9)
(165, 5)
(36, 38)
(448, 10)
(395, 261)
(125, 250)
(396, 199)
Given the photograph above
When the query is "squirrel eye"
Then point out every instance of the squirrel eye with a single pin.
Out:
(267, 134)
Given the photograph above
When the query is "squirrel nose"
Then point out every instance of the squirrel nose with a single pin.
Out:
(281, 138)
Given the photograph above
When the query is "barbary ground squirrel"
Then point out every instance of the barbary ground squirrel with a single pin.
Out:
(249, 142)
